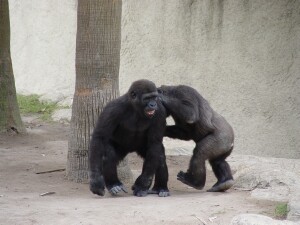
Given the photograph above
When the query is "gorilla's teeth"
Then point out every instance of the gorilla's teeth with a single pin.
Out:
(151, 112)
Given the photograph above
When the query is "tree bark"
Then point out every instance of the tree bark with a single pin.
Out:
(10, 119)
(97, 76)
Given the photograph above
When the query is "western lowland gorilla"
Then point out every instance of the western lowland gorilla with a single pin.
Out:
(196, 120)
(134, 122)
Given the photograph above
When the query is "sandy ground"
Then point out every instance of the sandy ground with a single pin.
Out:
(45, 148)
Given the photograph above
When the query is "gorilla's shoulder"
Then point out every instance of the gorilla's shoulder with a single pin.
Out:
(119, 102)
(116, 106)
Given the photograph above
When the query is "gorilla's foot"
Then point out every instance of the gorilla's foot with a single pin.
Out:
(138, 191)
(161, 192)
(221, 187)
(117, 188)
(185, 178)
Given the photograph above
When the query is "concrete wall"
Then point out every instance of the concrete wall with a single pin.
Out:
(243, 56)
(43, 38)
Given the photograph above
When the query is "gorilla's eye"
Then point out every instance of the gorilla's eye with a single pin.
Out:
(160, 91)
(133, 94)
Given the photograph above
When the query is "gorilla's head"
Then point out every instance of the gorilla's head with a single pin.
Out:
(178, 93)
(143, 96)
(166, 93)
(180, 101)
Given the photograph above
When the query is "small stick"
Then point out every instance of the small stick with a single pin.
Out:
(47, 193)
(51, 171)
(211, 219)
(202, 221)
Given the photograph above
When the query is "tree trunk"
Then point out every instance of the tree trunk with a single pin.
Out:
(10, 119)
(97, 76)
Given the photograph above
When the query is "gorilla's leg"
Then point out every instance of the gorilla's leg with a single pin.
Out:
(112, 182)
(142, 184)
(196, 174)
(222, 171)
(160, 186)
(152, 162)
(137, 190)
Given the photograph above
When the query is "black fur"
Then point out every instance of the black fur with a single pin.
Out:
(134, 122)
(196, 120)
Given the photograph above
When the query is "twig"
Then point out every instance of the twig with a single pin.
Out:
(211, 219)
(47, 193)
(201, 220)
(51, 171)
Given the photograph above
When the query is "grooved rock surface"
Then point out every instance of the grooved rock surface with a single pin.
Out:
(254, 219)
(273, 179)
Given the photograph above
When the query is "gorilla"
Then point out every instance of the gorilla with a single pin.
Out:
(134, 122)
(196, 120)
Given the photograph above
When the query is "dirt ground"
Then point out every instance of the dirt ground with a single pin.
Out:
(45, 148)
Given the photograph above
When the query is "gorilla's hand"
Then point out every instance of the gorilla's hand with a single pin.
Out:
(97, 186)
(117, 188)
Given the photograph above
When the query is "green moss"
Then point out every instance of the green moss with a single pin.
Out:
(281, 211)
(31, 104)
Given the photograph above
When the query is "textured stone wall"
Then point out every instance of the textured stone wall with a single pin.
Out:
(243, 56)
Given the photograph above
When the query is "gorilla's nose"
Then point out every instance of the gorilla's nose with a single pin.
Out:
(152, 104)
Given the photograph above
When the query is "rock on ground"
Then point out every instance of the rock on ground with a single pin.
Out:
(294, 209)
(255, 219)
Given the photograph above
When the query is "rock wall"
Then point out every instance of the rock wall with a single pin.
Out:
(243, 56)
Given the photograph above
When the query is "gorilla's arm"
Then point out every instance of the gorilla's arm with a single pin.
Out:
(177, 132)
(96, 153)
(101, 151)
(187, 111)
(186, 105)
(184, 109)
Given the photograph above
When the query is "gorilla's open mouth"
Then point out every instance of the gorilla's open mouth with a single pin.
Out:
(150, 113)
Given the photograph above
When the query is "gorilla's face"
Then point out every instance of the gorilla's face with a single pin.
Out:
(143, 95)
(165, 93)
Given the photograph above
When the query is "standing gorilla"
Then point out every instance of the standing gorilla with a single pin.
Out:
(196, 120)
(136, 122)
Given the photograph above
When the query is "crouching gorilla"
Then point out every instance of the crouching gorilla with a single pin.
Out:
(136, 122)
(196, 120)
